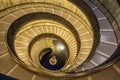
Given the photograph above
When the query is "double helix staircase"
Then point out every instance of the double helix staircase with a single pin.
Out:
(59, 40)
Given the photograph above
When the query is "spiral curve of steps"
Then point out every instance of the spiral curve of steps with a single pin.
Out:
(25, 23)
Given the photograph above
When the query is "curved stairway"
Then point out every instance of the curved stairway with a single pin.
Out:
(89, 64)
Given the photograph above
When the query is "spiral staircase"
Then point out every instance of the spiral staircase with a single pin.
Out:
(59, 39)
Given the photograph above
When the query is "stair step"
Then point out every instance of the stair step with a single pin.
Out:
(107, 74)
(21, 74)
(6, 64)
